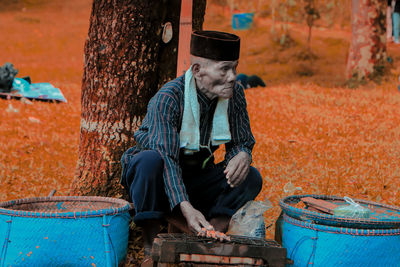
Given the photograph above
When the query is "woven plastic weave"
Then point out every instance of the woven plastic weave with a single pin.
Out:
(310, 244)
(64, 231)
(382, 216)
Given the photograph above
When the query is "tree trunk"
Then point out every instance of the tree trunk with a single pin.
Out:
(367, 55)
(126, 62)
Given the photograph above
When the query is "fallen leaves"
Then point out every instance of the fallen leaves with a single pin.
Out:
(323, 140)
(350, 149)
(34, 120)
(39, 140)
(11, 109)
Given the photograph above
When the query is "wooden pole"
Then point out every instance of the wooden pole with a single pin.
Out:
(185, 30)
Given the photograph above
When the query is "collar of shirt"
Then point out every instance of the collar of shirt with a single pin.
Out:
(204, 100)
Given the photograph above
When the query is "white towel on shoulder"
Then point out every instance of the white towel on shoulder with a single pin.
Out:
(190, 129)
(220, 131)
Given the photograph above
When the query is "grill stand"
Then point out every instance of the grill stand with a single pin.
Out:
(190, 250)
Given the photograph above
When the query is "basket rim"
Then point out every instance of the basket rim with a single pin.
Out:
(341, 230)
(5, 209)
(337, 219)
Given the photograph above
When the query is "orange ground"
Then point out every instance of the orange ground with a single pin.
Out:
(312, 133)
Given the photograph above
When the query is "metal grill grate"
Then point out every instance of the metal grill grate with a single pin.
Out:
(235, 239)
(177, 248)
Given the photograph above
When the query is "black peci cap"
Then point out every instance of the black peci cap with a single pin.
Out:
(220, 46)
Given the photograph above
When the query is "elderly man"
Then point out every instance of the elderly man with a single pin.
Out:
(171, 168)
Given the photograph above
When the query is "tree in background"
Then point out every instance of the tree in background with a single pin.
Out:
(312, 14)
(125, 64)
(367, 55)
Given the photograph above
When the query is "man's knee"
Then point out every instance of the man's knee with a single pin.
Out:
(254, 181)
(147, 164)
(149, 160)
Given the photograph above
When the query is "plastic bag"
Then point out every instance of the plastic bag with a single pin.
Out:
(249, 220)
(7, 74)
(353, 210)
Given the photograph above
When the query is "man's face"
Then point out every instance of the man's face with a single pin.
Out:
(217, 78)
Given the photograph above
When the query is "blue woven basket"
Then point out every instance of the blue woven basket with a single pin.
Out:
(382, 216)
(310, 244)
(64, 231)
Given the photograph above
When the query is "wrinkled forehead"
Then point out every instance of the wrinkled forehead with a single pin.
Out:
(220, 63)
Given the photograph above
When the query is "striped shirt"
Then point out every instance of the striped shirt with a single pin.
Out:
(161, 126)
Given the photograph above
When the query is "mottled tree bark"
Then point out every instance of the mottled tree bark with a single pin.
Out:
(367, 55)
(126, 62)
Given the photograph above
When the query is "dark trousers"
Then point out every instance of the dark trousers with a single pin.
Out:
(207, 189)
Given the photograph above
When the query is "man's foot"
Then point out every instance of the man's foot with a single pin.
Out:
(147, 261)
(150, 230)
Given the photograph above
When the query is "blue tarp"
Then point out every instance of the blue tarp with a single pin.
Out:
(242, 21)
(39, 91)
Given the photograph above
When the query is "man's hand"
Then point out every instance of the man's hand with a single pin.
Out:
(194, 218)
(237, 169)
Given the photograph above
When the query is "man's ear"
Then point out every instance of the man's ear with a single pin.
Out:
(196, 69)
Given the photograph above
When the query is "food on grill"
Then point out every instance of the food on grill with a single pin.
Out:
(213, 234)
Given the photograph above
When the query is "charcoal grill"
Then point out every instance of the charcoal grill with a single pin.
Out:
(192, 250)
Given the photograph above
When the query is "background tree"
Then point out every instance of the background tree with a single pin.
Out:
(367, 55)
(312, 14)
(125, 64)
